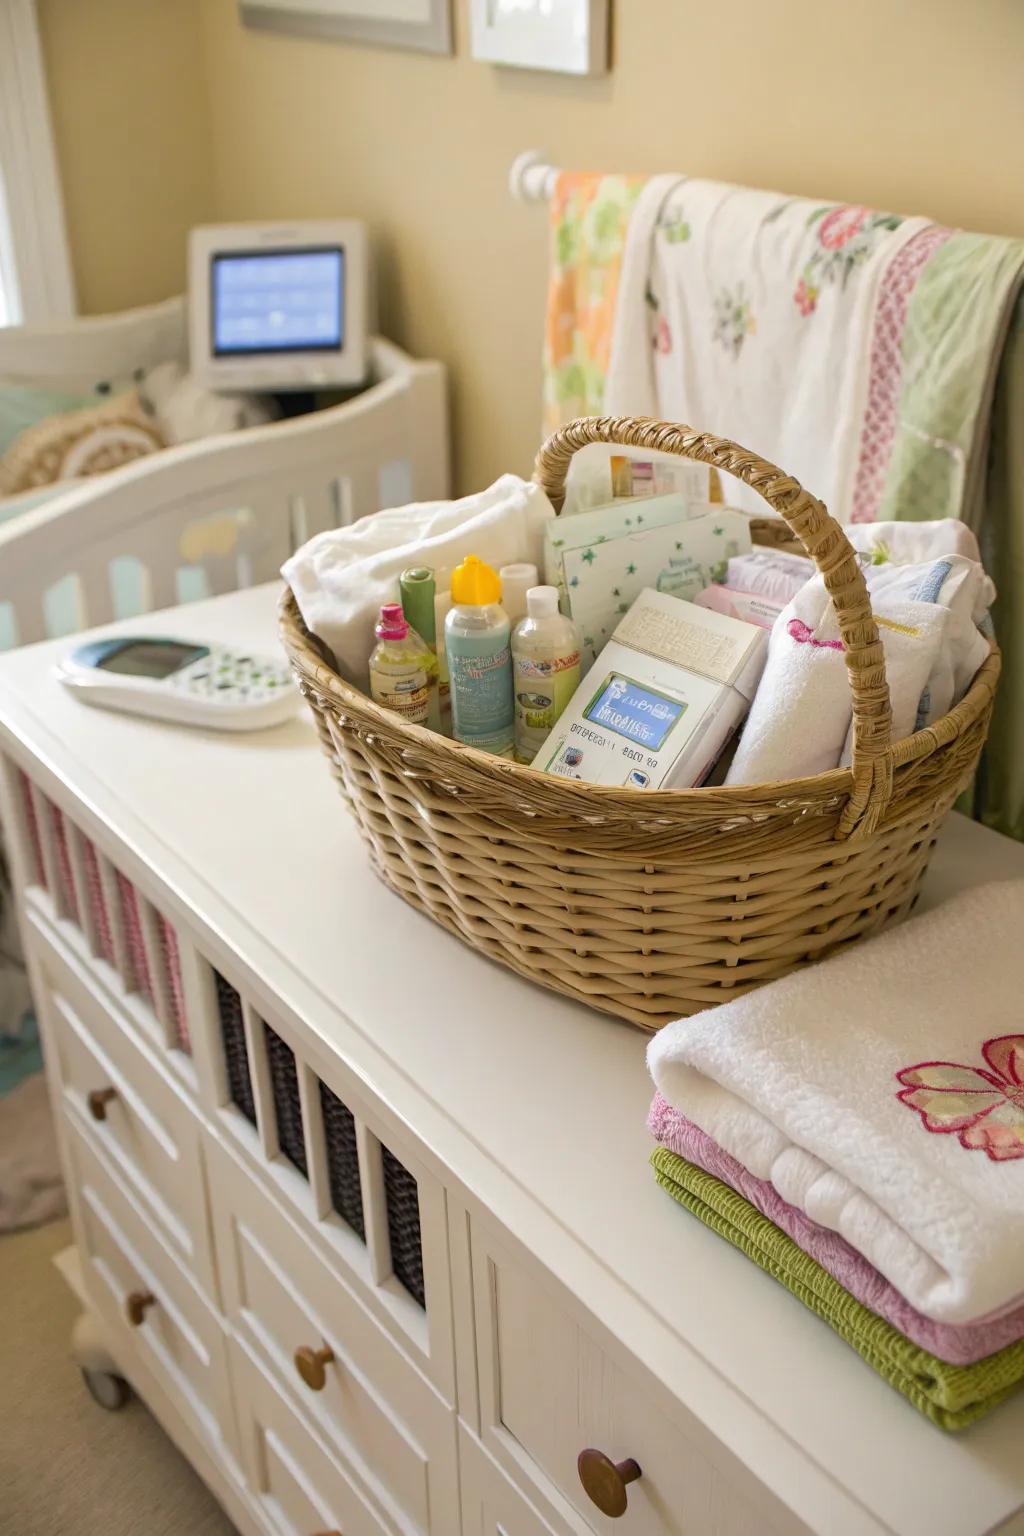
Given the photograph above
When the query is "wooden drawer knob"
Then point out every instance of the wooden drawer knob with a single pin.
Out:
(98, 1100)
(137, 1305)
(311, 1365)
(604, 1481)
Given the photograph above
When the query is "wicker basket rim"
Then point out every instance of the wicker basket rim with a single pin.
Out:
(323, 678)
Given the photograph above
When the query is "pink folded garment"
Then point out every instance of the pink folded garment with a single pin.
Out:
(959, 1343)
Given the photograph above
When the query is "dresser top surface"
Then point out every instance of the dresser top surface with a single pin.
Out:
(536, 1104)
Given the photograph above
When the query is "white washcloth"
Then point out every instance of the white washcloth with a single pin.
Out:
(912, 543)
(801, 718)
(340, 578)
(751, 314)
(802, 709)
(882, 1093)
(959, 585)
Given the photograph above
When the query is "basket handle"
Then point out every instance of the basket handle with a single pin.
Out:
(822, 538)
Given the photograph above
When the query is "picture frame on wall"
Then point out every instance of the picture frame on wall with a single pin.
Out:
(567, 36)
(421, 24)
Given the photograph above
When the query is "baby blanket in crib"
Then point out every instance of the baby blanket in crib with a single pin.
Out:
(881, 1092)
(952, 1396)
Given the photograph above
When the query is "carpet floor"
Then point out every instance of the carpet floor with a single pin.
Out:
(67, 1466)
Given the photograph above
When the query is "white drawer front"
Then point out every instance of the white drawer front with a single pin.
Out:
(491, 1504)
(550, 1390)
(175, 1334)
(386, 1420)
(144, 1126)
(300, 1490)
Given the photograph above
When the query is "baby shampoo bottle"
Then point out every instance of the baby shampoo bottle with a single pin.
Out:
(476, 642)
(401, 666)
(545, 669)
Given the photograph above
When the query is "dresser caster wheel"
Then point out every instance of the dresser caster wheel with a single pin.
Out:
(111, 1392)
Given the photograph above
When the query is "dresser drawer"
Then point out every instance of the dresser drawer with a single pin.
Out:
(491, 1504)
(298, 1487)
(550, 1388)
(151, 1309)
(144, 1126)
(354, 1184)
(356, 1390)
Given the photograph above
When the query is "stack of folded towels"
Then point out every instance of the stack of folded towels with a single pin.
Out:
(857, 1129)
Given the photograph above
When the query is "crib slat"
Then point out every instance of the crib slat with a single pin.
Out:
(29, 617)
(318, 509)
(95, 600)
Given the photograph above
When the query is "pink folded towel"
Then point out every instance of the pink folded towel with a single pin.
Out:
(957, 1343)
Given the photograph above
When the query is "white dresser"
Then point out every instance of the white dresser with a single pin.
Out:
(368, 1221)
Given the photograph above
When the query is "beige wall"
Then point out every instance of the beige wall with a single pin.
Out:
(912, 104)
(131, 123)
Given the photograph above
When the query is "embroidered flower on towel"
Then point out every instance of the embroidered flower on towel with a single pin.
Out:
(985, 1108)
(843, 239)
(734, 318)
(803, 634)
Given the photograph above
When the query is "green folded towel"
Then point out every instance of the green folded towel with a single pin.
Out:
(952, 1396)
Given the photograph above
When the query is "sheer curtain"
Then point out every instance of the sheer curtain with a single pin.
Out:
(35, 268)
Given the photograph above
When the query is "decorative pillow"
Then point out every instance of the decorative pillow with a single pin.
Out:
(25, 403)
(83, 442)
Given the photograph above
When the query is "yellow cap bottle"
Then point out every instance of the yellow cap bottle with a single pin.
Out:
(476, 643)
(475, 583)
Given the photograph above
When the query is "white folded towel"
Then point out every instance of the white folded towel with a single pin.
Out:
(340, 578)
(802, 709)
(960, 585)
(800, 720)
(882, 1093)
(913, 543)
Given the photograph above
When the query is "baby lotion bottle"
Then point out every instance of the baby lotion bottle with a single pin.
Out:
(545, 669)
(401, 666)
(476, 642)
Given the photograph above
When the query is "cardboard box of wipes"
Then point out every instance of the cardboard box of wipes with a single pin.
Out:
(661, 700)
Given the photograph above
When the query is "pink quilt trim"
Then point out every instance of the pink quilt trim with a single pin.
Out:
(959, 1344)
(885, 380)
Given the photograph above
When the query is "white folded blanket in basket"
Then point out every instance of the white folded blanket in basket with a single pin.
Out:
(801, 716)
(340, 578)
(882, 1093)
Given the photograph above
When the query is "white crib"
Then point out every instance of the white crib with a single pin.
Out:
(210, 516)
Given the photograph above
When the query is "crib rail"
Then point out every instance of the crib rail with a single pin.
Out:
(222, 514)
(94, 348)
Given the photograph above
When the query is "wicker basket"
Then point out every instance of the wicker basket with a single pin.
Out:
(652, 905)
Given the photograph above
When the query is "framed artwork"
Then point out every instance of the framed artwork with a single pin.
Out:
(570, 36)
(424, 24)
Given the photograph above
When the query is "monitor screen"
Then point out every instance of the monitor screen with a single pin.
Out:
(633, 711)
(152, 658)
(277, 301)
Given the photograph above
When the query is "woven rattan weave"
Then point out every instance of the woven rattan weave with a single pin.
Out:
(649, 905)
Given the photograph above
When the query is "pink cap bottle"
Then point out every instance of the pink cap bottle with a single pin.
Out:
(392, 624)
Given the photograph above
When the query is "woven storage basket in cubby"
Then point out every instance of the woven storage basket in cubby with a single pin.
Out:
(652, 904)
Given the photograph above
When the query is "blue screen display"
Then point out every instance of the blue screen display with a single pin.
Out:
(637, 713)
(278, 301)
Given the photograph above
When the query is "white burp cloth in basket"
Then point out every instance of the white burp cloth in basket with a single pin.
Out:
(341, 577)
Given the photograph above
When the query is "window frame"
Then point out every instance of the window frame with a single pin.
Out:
(35, 260)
